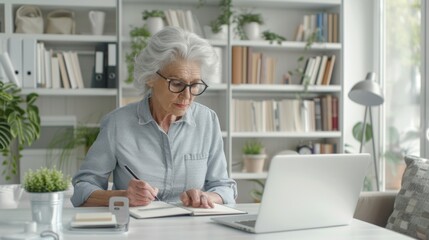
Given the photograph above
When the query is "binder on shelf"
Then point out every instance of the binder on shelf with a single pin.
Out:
(47, 66)
(40, 80)
(9, 69)
(15, 54)
(111, 65)
(98, 76)
(29, 60)
(55, 72)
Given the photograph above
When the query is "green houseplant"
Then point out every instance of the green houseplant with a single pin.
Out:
(253, 156)
(19, 125)
(248, 24)
(45, 180)
(154, 20)
(71, 139)
(139, 37)
(225, 8)
(46, 189)
(153, 13)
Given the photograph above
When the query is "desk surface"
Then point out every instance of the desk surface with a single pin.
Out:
(187, 227)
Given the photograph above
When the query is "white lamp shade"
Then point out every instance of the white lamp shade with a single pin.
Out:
(367, 92)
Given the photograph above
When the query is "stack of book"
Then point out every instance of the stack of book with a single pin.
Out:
(250, 67)
(287, 115)
(318, 70)
(324, 25)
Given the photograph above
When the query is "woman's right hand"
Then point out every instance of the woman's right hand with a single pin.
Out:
(140, 193)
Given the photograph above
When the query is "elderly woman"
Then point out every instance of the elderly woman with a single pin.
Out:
(171, 143)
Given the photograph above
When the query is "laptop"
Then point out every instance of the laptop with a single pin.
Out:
(306, 191)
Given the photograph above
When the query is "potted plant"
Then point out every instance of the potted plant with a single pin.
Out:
(139, 37)
(19, 125)
(272, 36)
(71, 139)
(248, 25)
(219, 26)
(154, 20)
(253, 156)
(46, 190)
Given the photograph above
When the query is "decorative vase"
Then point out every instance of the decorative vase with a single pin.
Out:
(252, 31)
(254, 163)
(47, 210)
(154, 24)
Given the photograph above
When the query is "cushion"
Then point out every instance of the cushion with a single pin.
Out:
(410, 215)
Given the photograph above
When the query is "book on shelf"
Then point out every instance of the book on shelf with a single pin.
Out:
(237, 61)
(334, 113)
(63, 72)
(77, 70)
(328, 70)
(317, 114)
(162, 209)
(322, 70)
(70, 70)
(315, 70)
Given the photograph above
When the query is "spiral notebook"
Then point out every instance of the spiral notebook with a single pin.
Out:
(163, 209)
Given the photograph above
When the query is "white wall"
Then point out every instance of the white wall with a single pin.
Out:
(360, 57)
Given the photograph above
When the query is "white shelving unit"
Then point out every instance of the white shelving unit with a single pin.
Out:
(87, 104)
(281, 16)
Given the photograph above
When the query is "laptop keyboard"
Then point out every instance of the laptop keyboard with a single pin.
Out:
(249, 223)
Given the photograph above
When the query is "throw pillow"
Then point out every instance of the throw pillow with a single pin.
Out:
(411, 210)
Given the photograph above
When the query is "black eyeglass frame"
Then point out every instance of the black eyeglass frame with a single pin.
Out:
(185, 85)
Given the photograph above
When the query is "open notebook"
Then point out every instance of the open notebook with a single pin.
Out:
(163, 209)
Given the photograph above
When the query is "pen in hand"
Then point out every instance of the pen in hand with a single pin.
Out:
(137, 178)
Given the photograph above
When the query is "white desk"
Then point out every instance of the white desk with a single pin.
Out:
(187, 227)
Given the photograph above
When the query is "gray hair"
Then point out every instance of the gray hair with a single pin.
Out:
(169, 44)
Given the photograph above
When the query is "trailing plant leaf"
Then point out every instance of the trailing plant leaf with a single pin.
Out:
(154, 13)
(242, 19)
(139, 37)
(271, 36)
(225, 9)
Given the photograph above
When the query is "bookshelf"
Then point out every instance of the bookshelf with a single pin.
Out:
(220, 97)
(84, 105)
(280, 16)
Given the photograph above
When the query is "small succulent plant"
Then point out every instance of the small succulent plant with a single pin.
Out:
(45, 180)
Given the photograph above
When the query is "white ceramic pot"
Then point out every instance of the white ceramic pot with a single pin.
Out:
(254, 163)
(154, 24)
(252, 31)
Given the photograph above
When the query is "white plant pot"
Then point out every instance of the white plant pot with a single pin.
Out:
(221, 35)
(254, 163)
(154, 24)
(47, 210)
(252, 30)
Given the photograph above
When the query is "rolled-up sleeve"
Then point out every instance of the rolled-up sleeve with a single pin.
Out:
(217, 179)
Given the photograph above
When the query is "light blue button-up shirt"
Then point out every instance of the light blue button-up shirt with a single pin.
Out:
(189, 156)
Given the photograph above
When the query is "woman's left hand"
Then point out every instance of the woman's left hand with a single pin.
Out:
(199, 199)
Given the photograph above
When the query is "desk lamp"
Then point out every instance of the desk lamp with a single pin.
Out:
(368, 93)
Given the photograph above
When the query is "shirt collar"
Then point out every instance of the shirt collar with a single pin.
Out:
(145, 116)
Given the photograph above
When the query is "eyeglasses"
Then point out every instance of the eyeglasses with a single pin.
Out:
(178, 86)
